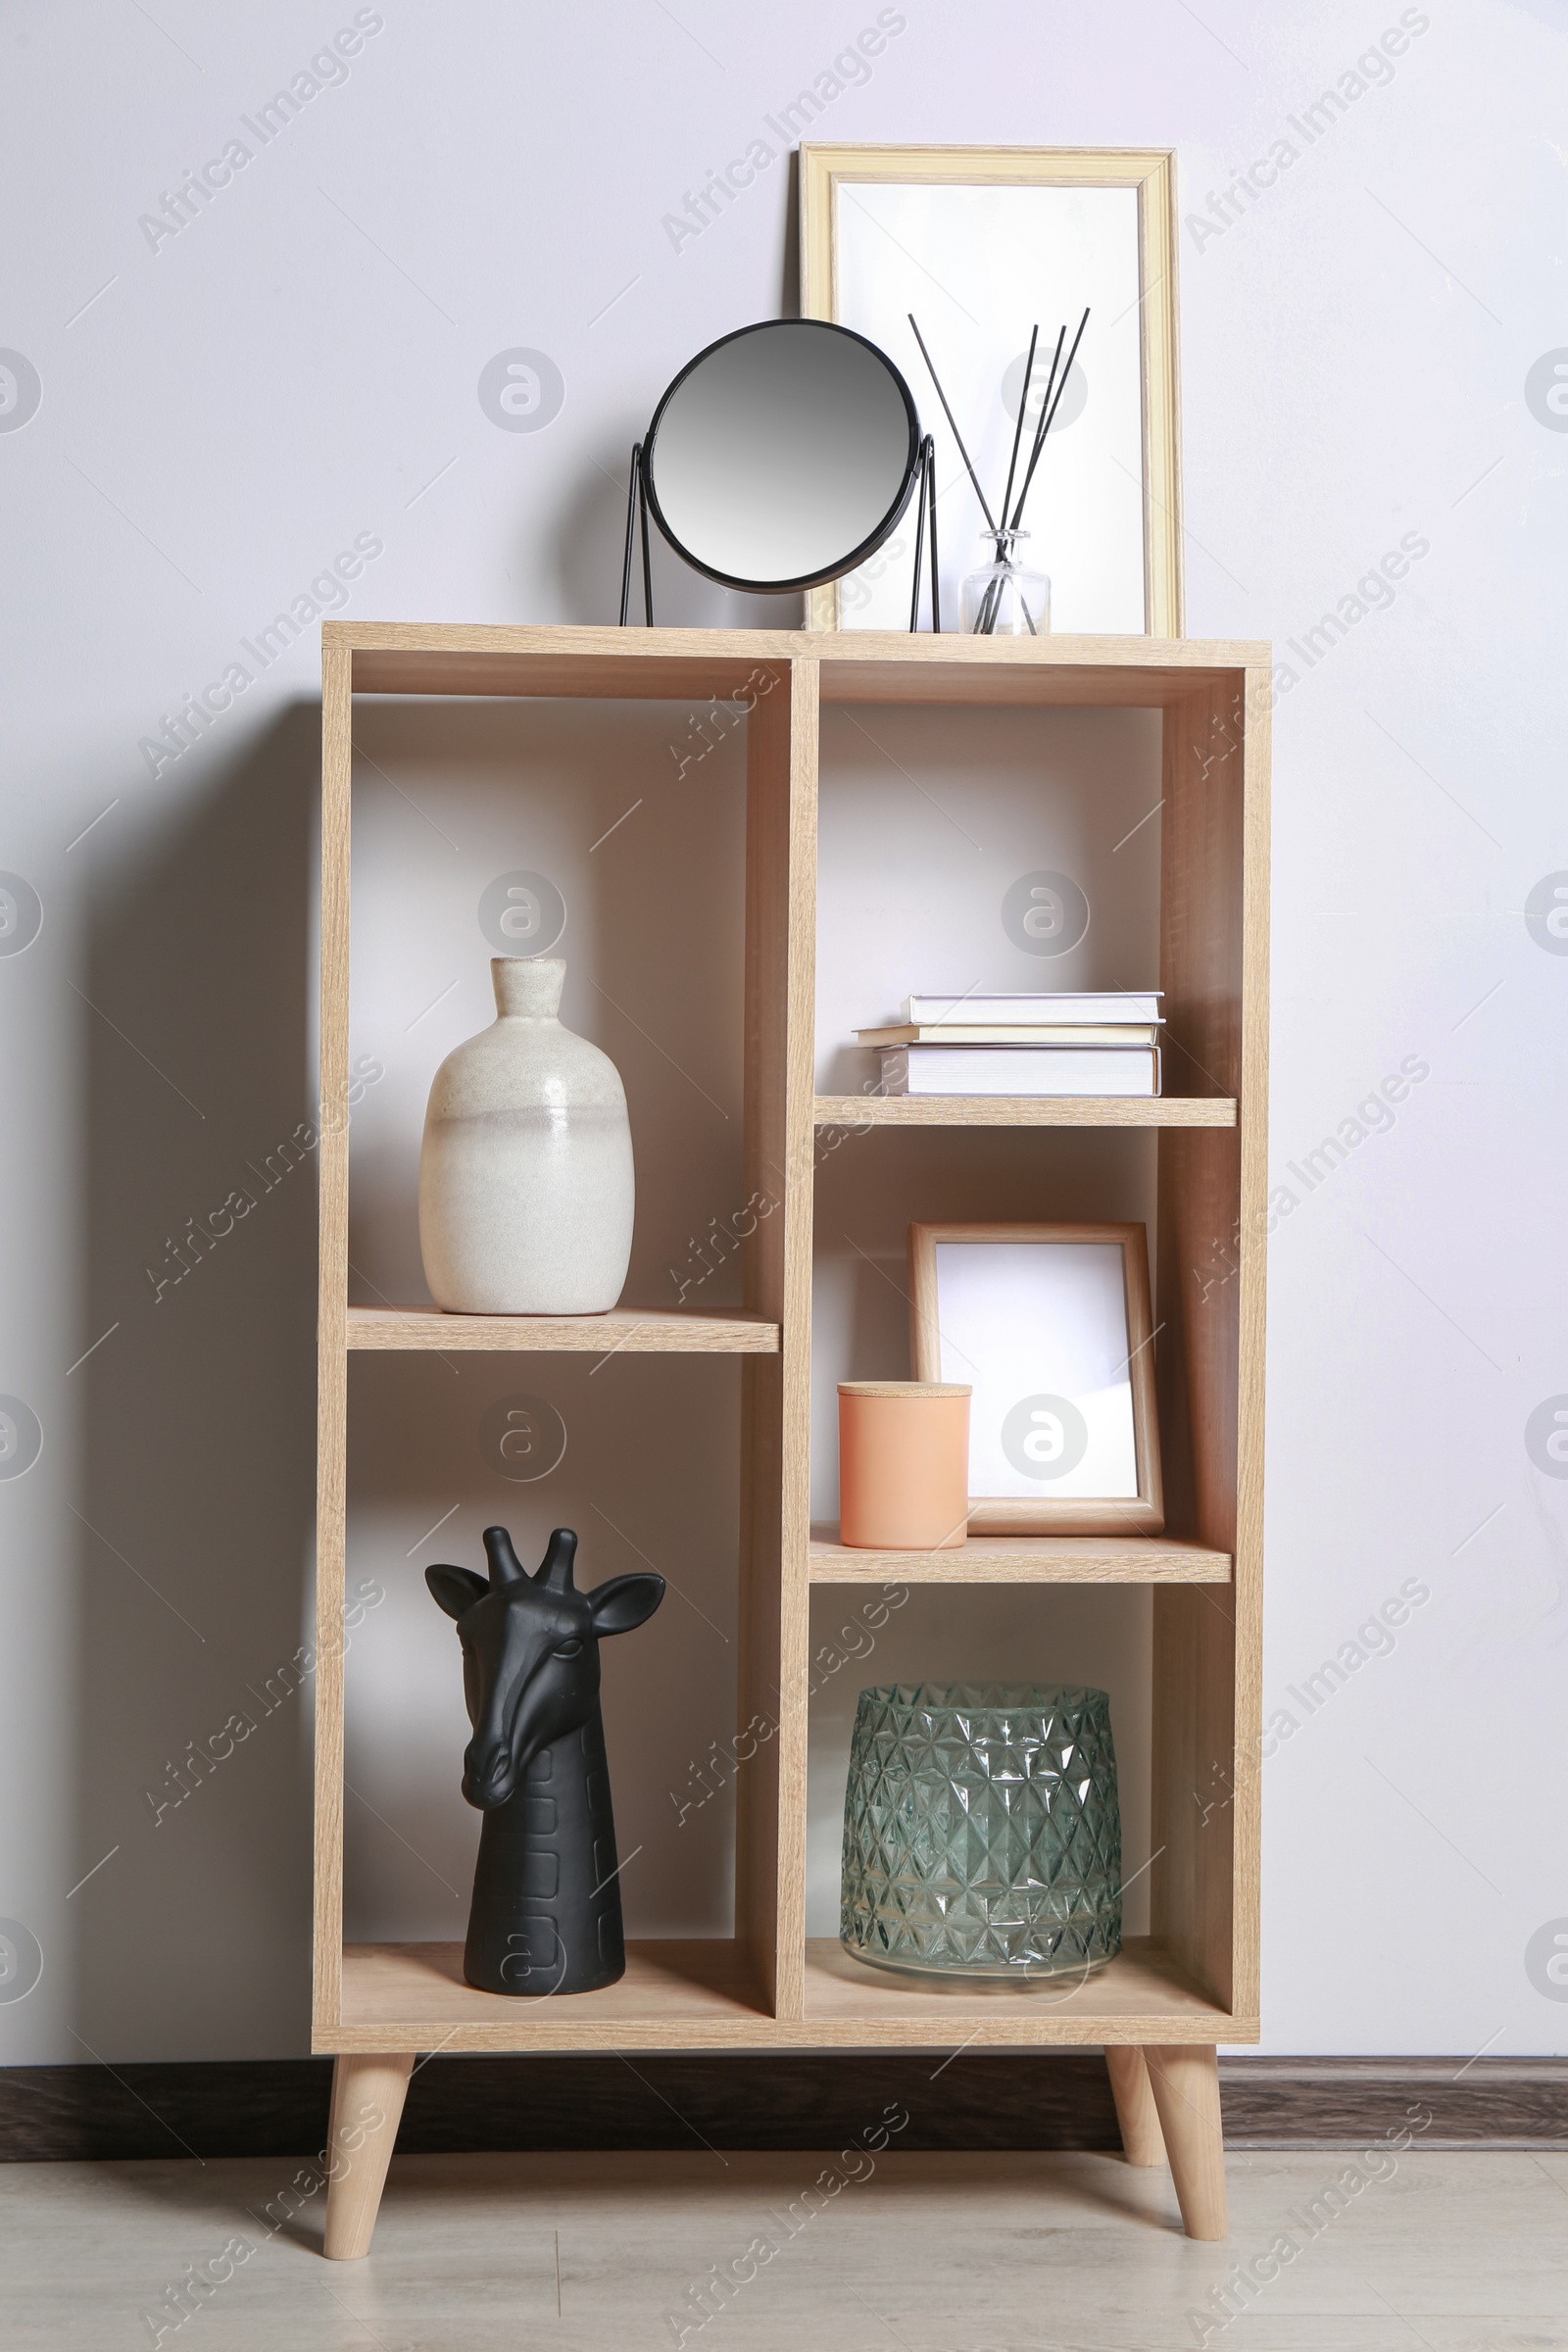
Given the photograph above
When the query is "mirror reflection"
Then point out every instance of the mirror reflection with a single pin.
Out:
(782, 455)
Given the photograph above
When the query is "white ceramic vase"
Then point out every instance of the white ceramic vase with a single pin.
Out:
(526, 1191)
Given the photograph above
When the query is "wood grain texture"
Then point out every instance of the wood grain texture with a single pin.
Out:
(1185, 2078)
(700, 665)
(1151, 172)
(331, 1437)
(687, 666)
(368, 2095)
(794, 1599)
(676, 1994)
(1163, 598)
(1137, 2116)
(1024, 1110)
(1009, 2099)
(1050, 1559)
(1073, 675)
(1197, 1981)
(1141, 1996)
(1211, 1223)
(766, 1153)
(705, 1995)
(1457, 2102)
(624, 1330)
(757, 1678)
(577, 2253)
(980, 166)
(1252, 1331)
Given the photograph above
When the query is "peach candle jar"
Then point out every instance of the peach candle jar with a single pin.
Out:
(904, 1465)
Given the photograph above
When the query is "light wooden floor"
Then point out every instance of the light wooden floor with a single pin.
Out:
(1462, 2253)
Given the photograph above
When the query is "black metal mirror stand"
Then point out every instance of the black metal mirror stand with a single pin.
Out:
(925, 499)
(925, 502)
(637, 507)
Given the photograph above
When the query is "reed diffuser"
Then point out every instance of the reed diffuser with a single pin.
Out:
(1005, 597)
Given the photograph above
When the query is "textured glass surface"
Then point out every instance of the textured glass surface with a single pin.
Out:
(981, 1831)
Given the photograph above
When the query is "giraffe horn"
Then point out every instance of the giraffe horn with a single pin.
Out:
(505, 1566)
(554, 1569)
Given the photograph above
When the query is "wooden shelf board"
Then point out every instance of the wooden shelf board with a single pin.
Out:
(700, 1995)
(1025, 1561)
(700, 665)
(676, 1994)
(625, 1330)
(1084, 672)
(1025, 1111)
(1140, 1998)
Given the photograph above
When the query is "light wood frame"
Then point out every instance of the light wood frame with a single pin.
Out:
(1192, 1984)
(1152, 170)
(1140, 1514)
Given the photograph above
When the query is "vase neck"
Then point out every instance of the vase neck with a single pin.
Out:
(528, 988)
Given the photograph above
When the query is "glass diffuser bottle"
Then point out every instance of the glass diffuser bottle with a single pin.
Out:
(1003, 599)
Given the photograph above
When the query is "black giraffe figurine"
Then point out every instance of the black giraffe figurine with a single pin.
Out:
(546, 1910)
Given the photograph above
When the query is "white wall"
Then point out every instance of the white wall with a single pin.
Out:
(226, 411)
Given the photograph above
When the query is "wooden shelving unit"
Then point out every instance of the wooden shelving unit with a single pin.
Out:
(1193, 1984)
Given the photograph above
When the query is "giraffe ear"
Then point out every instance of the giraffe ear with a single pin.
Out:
(624, 1603)
(456, 1588)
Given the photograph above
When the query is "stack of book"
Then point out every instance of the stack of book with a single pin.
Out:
(1105, 1044)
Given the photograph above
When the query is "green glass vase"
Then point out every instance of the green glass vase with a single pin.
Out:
(981, 1831)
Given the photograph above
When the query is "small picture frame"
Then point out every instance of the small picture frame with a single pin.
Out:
(1050, 1326)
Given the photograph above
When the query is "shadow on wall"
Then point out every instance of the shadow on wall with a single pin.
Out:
(632, 823)
(634, 817)
(591, 550)
(198, 1482)
(591, 541)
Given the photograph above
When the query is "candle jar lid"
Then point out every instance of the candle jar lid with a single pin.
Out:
(904, 1388)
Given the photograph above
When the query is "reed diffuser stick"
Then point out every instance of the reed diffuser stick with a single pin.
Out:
(954, 423)
(1018, 430)
(1047, 419)
(985, 624)
(1045, 410)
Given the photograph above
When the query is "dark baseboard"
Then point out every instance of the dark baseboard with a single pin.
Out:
(654, 2102)
(995, 2100)
(1350, 2102)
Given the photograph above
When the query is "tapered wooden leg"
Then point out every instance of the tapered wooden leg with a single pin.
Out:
(367, 2102)
(1136, 2111)
(1185, 2076)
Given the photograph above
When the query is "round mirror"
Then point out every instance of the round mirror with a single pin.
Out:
(782, 455)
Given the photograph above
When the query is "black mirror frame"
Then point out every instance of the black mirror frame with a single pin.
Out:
(641, 497)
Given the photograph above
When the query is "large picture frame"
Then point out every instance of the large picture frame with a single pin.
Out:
(1050, 1326)
(985, 241)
